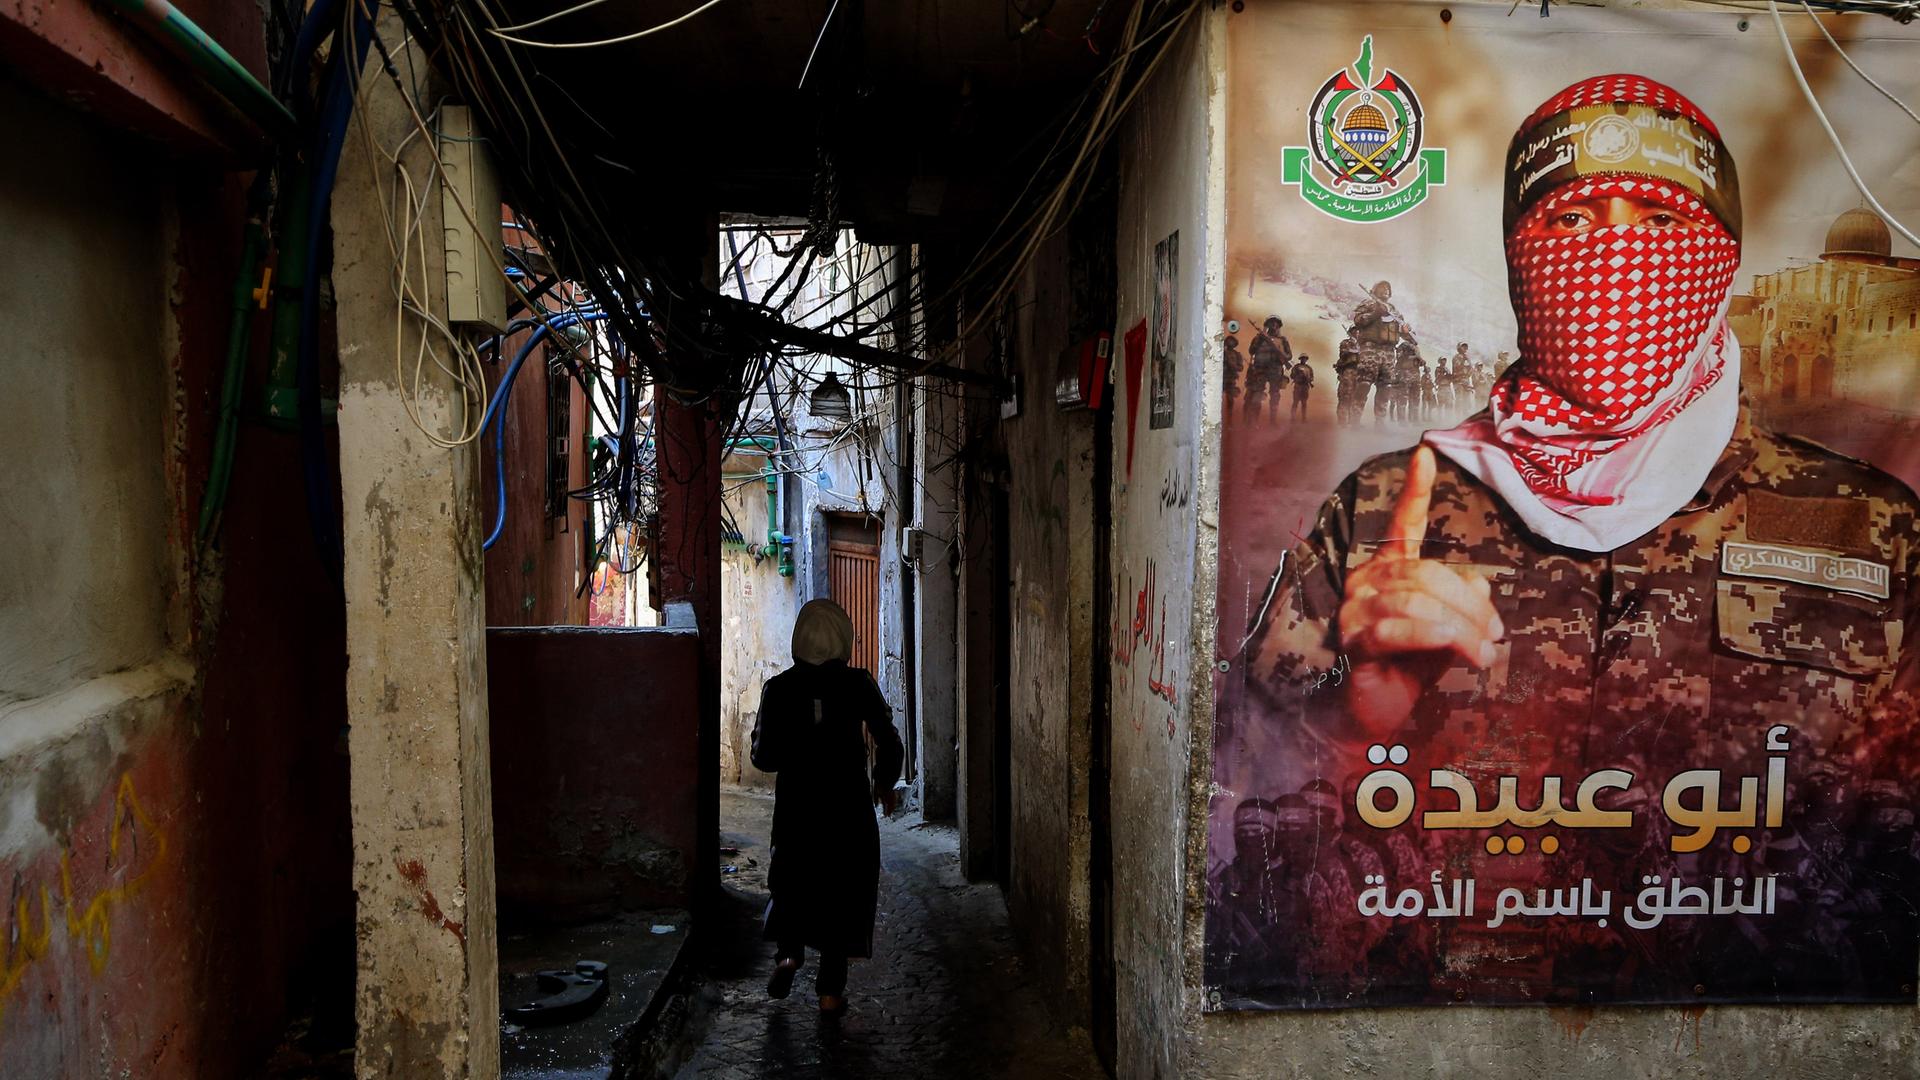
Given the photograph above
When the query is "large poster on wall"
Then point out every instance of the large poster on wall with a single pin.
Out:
(1568, 534)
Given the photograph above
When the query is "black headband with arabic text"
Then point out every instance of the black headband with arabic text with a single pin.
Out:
(1621, 139)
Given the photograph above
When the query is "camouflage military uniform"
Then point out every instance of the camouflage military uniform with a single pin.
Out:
(1463, 399)
(1406, 383)
(1272, 363)
(1665, 622)
(1377, 331)
(1682, 646)
(1350, 395)
(1482, 380)
(1235, 362)
(1302, 378)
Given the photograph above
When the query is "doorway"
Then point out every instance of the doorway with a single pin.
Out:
(1822, 377)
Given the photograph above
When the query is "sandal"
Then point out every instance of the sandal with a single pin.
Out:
(831, 1005)
(781, 982)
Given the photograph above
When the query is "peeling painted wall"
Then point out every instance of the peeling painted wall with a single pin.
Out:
(172, 802)
(427, 1000)
(1171, 179)
(1050, 457)
(757, 606)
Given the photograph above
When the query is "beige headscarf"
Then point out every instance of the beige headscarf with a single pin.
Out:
(822, 632)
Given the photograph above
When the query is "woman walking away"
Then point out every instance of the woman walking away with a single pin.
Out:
(826, 844)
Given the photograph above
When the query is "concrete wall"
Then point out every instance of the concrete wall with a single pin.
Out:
(980, 593)
(172, 795)
(1171, 178)
(85, 502)
(1050, 458)
(594, 752)
(756, 616)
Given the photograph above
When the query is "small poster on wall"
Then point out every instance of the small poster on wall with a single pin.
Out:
(1166, 256)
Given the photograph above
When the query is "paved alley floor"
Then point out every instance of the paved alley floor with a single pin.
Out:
(946, 994)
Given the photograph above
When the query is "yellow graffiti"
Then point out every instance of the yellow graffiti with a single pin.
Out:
(90, 926)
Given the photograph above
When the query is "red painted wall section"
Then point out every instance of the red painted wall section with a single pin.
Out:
(595, 758)
(535, 570)
(537, 566)
(195, 892)
(98, 928)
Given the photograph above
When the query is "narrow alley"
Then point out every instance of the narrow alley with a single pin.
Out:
(1245, 538)
(946, 993)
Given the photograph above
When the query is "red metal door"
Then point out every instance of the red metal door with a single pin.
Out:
(853, 579)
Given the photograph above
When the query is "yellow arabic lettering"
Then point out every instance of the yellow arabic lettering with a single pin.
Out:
(91, 926)
(1709, 817)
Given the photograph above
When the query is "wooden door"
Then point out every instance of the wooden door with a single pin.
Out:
(853, 580)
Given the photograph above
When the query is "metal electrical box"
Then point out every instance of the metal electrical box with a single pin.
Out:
(470, 208)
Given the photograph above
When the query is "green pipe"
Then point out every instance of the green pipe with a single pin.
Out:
(282, 403)
(246, 299)
(776, 539)
(166, 25)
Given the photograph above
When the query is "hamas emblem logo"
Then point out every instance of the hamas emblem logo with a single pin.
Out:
(1366, 138)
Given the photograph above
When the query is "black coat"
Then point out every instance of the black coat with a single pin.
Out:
(825, 875)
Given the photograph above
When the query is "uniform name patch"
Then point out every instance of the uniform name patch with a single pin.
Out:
(1806, 568)
(1846, 524)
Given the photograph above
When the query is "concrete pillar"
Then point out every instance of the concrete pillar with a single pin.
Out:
(423, 872)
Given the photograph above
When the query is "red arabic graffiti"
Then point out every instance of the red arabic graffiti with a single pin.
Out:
(1143, 633)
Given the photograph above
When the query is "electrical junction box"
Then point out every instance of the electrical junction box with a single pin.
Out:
(470, 209)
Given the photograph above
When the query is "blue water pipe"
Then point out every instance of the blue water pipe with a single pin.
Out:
(496, 411)
(335, 111)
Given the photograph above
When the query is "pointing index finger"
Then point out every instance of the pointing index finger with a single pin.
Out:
(1408, 526)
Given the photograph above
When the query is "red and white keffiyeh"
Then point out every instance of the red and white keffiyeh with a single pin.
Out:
(1627, 387)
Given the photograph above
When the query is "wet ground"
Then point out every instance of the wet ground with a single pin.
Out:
(638, 948)
(946, 994)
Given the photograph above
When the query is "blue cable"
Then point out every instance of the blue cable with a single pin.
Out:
(496, 412)
(336, 110)
(322, 19)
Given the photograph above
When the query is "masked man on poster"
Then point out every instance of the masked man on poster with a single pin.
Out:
(1613, 538)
